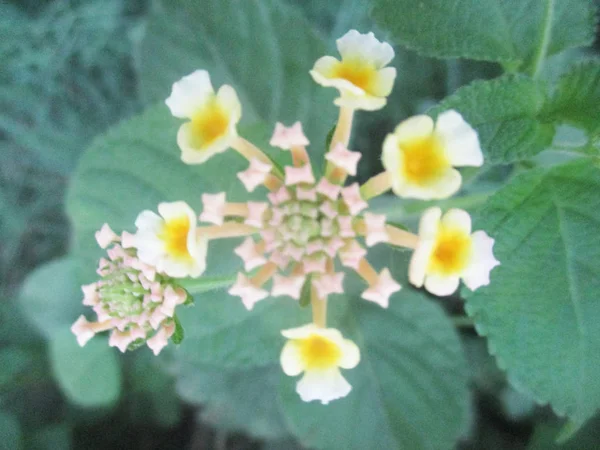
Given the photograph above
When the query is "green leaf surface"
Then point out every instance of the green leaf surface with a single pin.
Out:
(506, 112)
(540, 311)
(10, 432)
(547, 437)
(515, 32)
(409, 390)
(263, 48)
(51, 296)
(52, 437)
(14, 361)
(577, 98)
(88, 376)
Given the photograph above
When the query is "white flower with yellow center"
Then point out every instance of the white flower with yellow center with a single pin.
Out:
(420, 157)
(213, 116)
(319, 353)
(361, 76)
(169, 241)
(447, 251)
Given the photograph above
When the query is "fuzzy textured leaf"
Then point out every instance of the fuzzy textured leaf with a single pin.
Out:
(577, 98)
(541, 310)
(506, 112)
(507, 31)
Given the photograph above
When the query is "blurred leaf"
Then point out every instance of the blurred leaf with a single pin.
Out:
(51, 296)
(506, 112)
(577, 98)
(235, 400)
(14, 361)
(10, 432)
(53, 437)
(546, 437)
(89, 376)
(508, 31)
(540, 311)
(263, 48)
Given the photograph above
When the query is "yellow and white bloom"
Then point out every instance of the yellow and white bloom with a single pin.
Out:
(361, 76)
(169, 241)
(420, 156)
(213, 117)
(319, 353)
(447, 251)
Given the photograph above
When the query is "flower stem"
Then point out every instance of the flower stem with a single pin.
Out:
(250, 151)
(376, 185)
(205, 284)
(227, 230)
(401, 238)
(341, 134)
(319, 308)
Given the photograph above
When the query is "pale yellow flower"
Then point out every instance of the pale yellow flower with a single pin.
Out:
(213, 116)
(319, 353)
(420, 156)
(361, 76)
(447, 251)
(169, 241)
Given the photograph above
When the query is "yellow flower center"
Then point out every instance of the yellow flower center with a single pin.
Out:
(318, 352)
(424, 160)
(209, 124)
(174, 234)
(356, 72)
(451, 253)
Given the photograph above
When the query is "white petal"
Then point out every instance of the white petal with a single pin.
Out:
(460, 139)
(477, 274)
(419, 262)
(189, 94)
(415, 127)
(457, 219)
(390, 156)
(429, 224)
(441, 285)
(446, 186)
(325, 66)
(291, 360)
(326, 386)
(350, 355)
(366, 47)
(344, 86)
(301, 332)
(227, 97)
(382, 87)
(364, 102)
(149, 221)
(175, 210)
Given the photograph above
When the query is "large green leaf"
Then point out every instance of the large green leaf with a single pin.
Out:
(541, 310)
(263, 48)
(409, 390)
(89, 376)
(506, 114)
(51, 296)
(508, 31)
(10, 431)
(577, 98)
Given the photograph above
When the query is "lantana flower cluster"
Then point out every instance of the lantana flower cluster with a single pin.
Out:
(308, 227)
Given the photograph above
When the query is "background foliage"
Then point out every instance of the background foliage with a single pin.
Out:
(72, 69)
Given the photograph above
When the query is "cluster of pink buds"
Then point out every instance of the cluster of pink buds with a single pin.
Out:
(309, 225)
(131, 299)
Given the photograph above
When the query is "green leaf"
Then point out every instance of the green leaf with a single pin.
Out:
(263, 48)
(51, 296)
(10, 431)
(53, 437)
(577, 98)
(514, 32)
(506, 112)
(409, 390)
(89, 376)
(236, 399)
(548, 437)
(178, 335)
(14, 362)
(541, 310)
